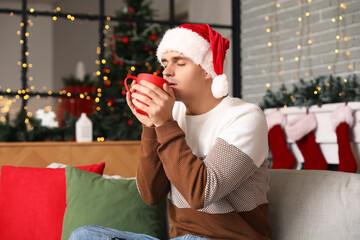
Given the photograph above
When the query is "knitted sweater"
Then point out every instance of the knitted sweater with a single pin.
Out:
(213, 169)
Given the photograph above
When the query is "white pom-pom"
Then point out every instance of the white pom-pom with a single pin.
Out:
(220, 86)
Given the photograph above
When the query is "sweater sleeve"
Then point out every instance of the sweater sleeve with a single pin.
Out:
(225, 167)
(151, 180)
(184, 170)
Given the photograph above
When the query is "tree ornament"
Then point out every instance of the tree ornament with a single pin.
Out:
(158, 72)
(281, 155)
(301, 130)
(121, 63)
(47, 118)
(125, 40)
(113, 54)
(110, 102)
(130, 122)
(153, 37)
(105, 70)
(146, 48)
(131, 10)
(139, 64)
(116, 61)
(107, 83)
(120, 83)
(342, 119)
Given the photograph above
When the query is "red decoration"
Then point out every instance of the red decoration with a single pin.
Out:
(158, 72)
(116, 61)
(105, 70)
(139, 64)
(301, 130)
(342, 120)
(122, 63)
(76, 106)
(125, 40)
(282, 157)
(110, 102)
(120, 83)
(153, 37)
(131, 10)
(113, 54)
(107, 83)
(130, 122)
(123, 92)
(146, 48)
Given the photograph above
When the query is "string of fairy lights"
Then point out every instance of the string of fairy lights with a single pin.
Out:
(274, 49)
(25, 92)
(303, 56)
(339, 20)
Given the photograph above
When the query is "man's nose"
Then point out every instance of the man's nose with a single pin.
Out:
(168, 71)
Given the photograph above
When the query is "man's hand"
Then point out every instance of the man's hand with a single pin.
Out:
(160, 103)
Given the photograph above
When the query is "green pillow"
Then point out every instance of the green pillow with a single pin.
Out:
(111, 203)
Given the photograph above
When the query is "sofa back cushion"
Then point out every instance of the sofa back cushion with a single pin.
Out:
(314, 204)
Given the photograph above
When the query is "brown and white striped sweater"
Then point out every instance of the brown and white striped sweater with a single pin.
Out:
(213, 169)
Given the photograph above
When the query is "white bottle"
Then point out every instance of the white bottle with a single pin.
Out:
(84, 129)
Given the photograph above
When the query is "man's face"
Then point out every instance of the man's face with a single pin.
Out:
(186, 78)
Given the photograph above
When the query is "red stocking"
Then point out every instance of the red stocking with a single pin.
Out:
(342, 119)
(282, 156)
(301, 130)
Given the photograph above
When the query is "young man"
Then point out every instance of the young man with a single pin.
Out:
(206, 153)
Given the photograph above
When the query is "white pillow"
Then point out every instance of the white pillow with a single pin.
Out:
(60, 165)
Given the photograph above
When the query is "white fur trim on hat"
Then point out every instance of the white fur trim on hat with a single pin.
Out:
(189, 43)
(220, 86)
(301, 126)
(341, 114)
(276, 118)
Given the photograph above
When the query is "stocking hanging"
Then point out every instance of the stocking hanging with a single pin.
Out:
(282, 158)
(301, 130)
(342, 119)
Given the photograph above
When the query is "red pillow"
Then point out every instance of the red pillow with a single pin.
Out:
(33, 201)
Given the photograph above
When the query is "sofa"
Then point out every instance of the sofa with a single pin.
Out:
(314, 204)
(304, 204)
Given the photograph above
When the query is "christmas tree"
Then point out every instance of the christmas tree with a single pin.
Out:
(131, 50)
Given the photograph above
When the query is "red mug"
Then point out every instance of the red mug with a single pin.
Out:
(156, 80)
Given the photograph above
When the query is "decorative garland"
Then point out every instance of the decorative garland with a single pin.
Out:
(316, 91)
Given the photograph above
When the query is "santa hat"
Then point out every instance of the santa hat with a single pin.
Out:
(204, 47)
